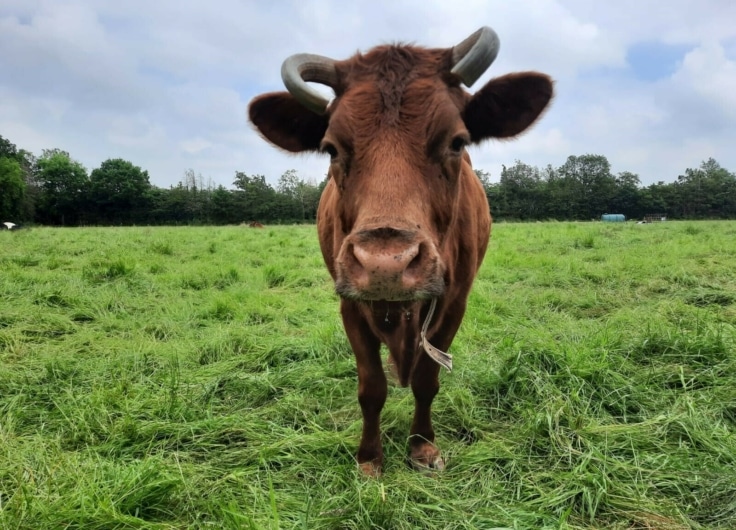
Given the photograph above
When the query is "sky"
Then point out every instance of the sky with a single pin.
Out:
(165, 84)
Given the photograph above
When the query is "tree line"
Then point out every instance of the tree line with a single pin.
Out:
(584, 188)
(55, 189)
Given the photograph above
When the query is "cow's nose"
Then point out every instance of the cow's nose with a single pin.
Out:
(388, 264)
(390, 261)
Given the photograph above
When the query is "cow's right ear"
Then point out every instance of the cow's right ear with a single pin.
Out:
(284, 122)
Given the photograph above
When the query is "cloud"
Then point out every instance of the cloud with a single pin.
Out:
(64, 51)
(709, 76)
(166, 84)
(195, 145)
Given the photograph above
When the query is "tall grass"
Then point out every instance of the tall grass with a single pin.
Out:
(200, 378)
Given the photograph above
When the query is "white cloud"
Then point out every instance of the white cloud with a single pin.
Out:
(195, 145)
(166, 84)
(671, 22)
(136, 132)
(710, 76)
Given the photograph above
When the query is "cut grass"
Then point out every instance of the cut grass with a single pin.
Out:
(200, 377)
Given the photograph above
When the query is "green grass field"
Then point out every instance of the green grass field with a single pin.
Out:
(200, 378)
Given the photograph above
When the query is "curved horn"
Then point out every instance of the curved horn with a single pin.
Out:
(474, 55)
(302, 67)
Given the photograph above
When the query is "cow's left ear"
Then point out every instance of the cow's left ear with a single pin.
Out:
(506, 106)
(286, 123)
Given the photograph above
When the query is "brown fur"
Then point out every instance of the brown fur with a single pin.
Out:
(403, 218)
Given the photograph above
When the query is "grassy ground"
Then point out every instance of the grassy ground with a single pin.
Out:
(200, 378)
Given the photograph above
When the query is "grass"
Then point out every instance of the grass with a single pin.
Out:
(200, 378)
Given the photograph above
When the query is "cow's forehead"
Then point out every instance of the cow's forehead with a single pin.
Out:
(396, 65)
(390, 76)
(420, 109)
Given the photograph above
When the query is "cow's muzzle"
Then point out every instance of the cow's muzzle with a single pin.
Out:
(388, 264)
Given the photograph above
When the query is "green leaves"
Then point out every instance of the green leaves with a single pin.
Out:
(118, 191)
(12, 189)
(63, 184)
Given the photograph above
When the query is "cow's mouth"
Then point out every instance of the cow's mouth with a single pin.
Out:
(388, 291)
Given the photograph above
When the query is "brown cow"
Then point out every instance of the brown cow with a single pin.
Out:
(403, 222)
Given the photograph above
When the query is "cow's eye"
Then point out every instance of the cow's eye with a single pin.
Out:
(458, 143)
(330, 149)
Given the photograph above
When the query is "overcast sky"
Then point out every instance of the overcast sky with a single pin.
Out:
(165, 84)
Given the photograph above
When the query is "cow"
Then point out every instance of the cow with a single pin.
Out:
(403, 222)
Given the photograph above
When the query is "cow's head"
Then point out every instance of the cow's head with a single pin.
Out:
(396, 134)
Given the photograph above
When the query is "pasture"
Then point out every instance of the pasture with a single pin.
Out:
(199, 377)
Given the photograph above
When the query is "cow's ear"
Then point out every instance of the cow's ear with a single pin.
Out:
(506, 106)
(284, 122)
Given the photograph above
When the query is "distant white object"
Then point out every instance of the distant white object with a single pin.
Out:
(9, 225)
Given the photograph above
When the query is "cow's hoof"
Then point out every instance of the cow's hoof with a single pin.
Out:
(370, 469)
(426, 458)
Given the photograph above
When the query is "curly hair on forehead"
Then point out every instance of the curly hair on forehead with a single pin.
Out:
(392, 68)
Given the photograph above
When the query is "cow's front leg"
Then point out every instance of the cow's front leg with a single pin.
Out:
(425, 384)
(372, 387)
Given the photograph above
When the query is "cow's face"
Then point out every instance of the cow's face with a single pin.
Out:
(396, 135)
(396, 175)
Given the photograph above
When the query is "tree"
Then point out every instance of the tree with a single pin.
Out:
(490, 188)
(193, 196)
(8, 149)
(311, 195)
(63, 186)
(660, 198)
(560, 195)
(223, 209)
(707, 191)
(484, 177)
(12, 189)
(590, 185)
(291, 200)
(174, 205)
(23, 204)
(29, 166)
(627, 195)
(302, 197)
(522, 191)
(119, 191)
(255, 198)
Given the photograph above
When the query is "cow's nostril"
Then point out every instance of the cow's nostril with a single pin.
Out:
(355, 259)
(416, 262)
(359, 257)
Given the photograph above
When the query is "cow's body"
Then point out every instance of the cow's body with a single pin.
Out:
(403, 220)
